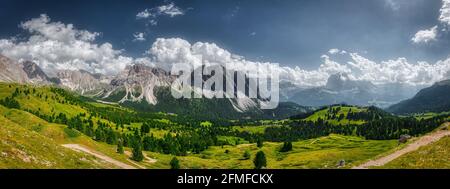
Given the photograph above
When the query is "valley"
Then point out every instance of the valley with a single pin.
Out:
(49, 127)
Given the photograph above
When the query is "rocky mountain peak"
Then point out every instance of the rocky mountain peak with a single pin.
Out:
(35, 73)
(80, 81)
(11, 71)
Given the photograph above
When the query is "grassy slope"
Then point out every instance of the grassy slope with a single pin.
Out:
(49, 103)
(344, 110)
(324, 152)
(253, 129)
(59, 134)
(434, 156)
(24, 148)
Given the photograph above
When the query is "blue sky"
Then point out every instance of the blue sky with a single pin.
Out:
(288, 32)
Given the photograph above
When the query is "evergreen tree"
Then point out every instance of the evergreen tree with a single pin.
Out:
(287, 146)
(260, 160)
(259, 143)
(137, 151)
(145, 128)
(120, 147)
(174, 163)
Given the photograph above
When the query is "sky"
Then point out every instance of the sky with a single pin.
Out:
(404, 41)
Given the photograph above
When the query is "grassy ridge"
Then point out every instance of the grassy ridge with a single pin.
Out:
(24, 148)
(433, 156)
(333, 118)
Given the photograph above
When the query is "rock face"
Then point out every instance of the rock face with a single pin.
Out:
(35, 73)
(82, 81)
(139, 82)
(12, 71)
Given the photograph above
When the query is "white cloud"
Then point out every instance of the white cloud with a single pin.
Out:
(444, 16)
(165, 52)
(170, 9)
(333, 51)
(57, 30)
(153, 13)
(58, 46)
(144, 14)
(336, 51)
(139, 36)
(398, 71)
(425, 36)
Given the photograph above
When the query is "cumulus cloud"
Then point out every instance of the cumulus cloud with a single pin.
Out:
(444, 16)
(166, 52)
(152, 14)
(58, 46)
(336, 51)
(425, 36)
(333, 51)
(139, 36)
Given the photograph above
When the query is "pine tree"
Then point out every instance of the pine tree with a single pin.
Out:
(174, 163)
(260, 160)
(137, 151)
(259, 143)
(120, 147)
(287, 146)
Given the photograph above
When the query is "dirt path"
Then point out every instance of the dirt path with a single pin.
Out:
(422, 141)
(79, 148)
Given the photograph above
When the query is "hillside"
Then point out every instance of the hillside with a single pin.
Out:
(437, 156)
(343, 115)
(90, 131)
(432, 99)
(50, 116)
(24, 148)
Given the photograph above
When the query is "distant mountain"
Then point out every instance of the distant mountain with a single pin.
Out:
(137, 83)
(338, 89)
(82, 81)
(432, 99)
(12, 71)
(342, 89)
(35, 73)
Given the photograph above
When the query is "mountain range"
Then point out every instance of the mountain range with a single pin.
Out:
(143, 88)
(340, 89)
(148, 88)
